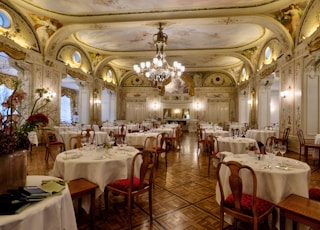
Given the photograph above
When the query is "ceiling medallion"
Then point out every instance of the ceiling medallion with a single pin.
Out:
(159, 70)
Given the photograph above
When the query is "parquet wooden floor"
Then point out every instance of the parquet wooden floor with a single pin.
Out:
(183, 195)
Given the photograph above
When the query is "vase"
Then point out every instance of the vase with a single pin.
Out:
(13, 170)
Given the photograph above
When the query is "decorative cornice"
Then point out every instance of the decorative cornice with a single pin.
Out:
(78, 75)
(12, 52)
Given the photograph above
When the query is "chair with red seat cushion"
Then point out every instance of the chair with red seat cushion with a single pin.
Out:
(51, 141)
(314, 193)
(213, 150)
(162, 147)
(135, 185)
(121, 135)
(243, 206)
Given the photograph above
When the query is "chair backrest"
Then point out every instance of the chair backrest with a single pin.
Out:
(122, 129)
(49, 137)
(146, 168)
(162, 140)
(270, 141)
(86, 136)
(150, 143)
(77, 144)
(212, 145)
(301, 136)
(236, 185)
(286, 133)
(201, 134)
(235, 132)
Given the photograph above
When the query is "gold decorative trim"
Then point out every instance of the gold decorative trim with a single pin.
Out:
(75, 74)
(7, 80)
(12, 52)
(71, 93)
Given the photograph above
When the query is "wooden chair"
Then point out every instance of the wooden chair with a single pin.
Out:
(77, 140)
(134, 186)
(86, 136)
(162, 147)
(51, 141)
(213, 150)
(269, 143)
(79, 188)
(201, 139)
(150, 144)
(121, 135)
(306, 144)
(174, 141)
(242, 206)
(235, 132)
(284, 138)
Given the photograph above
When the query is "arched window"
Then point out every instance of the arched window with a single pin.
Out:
(65, 112)
(5, 21)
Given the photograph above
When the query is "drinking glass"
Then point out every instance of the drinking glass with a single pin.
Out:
(269, 153)
(283, 150)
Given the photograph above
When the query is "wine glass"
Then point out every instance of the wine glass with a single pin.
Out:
(283, 150)
(268, 150)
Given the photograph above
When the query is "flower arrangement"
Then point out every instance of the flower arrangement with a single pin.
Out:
(14, 128)
(252, 147)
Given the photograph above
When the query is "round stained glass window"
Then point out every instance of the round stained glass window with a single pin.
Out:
(77, 57)
(5, 21)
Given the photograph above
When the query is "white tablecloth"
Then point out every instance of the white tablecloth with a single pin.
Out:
(54, 213)
(260, 135)
(171, 131)
(273, 184)
(100, 137)
(107, 129)
(218, 133)
(139, 138)
(235, 145)
(98, 166)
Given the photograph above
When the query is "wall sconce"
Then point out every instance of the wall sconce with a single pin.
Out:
(50, 94)
(249, 102)
(285, 93)
(96, 100)
(155, 106)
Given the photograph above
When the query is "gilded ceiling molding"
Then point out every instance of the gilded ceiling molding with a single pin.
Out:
(267, 70)
(7, 80)
(109, 86)
(12, 52)
(314, 45)
(78, 75)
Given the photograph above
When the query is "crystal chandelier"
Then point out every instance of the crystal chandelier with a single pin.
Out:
(159, 70)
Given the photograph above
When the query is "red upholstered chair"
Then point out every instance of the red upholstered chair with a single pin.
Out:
(51, 141)
(162, 147)
(314, 193)
(121, 135)
(213, 150)
(134, 186)
(242, 206)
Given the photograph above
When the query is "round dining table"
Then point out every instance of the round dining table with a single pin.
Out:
(138, 139)
(275, 180)
(260, 135)
(217, 132)
(238, 145)
(54, 212)
(98, 165)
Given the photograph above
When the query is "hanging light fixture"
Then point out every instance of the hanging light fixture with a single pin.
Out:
(159, 70)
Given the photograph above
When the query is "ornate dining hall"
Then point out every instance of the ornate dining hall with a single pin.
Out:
(159, 114)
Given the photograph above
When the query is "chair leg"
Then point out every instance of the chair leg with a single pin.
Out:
(129, 212)
(106, 202)
(150, 203)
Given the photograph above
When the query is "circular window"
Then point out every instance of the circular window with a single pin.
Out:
(268, 54)
(5, 21)
(77, 57)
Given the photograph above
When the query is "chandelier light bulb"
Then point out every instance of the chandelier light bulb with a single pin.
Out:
(159, 70)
